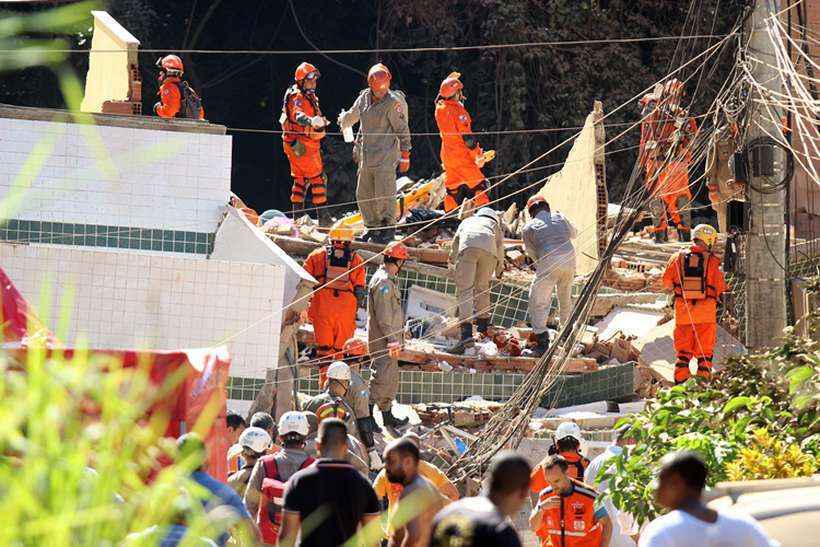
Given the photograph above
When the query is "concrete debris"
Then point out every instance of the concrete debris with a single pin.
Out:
(471, 413)
(635, 323)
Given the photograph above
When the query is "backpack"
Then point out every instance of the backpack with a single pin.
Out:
(269, 515)
(190, 104)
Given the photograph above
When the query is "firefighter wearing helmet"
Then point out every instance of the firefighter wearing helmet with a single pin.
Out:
(382, 144)
(461, 155)
(567, 444)
(303, 128)
(358, 397)
(696, 281)
(263, 496)
(385, 332)
(177, 99)
(477, 252)
(667, 136)
(341, 291)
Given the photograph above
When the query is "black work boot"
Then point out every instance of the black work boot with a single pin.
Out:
(387, 236)
(466, 339)
(543, 339)
(661, 236)
(391, 421)
(482, 324)
(323, 214)
(684, 235)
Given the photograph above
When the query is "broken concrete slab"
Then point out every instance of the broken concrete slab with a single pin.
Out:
(630, 322)
(657, 349)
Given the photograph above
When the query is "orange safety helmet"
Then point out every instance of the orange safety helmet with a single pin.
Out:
(378, 77)
(537, 199)
(396, 250)
(171, 64)
(355, 347)
(305, 70)
(450, 85)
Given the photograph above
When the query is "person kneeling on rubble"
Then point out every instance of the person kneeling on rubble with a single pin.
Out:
(338, 268)
(385, 332)
(358, 397)
(695, 278)
(548, 242)
(476, 253)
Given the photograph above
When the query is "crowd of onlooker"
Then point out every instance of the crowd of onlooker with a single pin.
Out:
(293, 483)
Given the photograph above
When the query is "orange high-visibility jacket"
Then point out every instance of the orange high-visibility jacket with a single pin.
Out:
(695, 310)
(459, 148)
(297, 110)
(659, 128)
(576, 522)
(170, 99)
(327, 298)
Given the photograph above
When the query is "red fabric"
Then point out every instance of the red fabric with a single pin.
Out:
(16, 317)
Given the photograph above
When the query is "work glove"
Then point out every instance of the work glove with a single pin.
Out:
(360, 296)
(393, 349)
(404, 162)
(375, 460)
(157, 105)
(480, 160)
(318, 122)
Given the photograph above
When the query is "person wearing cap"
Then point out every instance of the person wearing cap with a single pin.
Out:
(303, 128)
(567, 444)
(330, 403)
(382, 143)
(341, 291)
(697, 283)
(624, 528)
(548, 243)
(252, 445)
(385, 332)
(358, 398)
(461, 154)
(272, 471)
(476, 253)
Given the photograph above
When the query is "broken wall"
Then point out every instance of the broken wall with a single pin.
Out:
(113, 54)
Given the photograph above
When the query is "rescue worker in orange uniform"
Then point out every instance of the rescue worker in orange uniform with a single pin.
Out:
(461, 155)
(173, 90)
(567, 444)
(695, 278)
(332, 311)
(303, 128)
(667, 134)
(567, 514)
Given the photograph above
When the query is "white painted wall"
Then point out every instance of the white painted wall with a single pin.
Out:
(119, 176)
(139, 299)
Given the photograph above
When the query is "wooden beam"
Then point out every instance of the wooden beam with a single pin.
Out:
(304, 247)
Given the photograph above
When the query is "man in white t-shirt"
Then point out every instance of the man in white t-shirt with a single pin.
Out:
(689, 521)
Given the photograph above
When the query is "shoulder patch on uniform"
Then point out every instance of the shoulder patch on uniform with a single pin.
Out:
(586, 491)
(463, 117)
(297, 102)
(384, 288)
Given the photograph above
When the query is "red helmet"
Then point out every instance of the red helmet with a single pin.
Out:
(397, 250)
(305, 70)
(378, 77)
(355, 347)
(450, 85)
(537, 199)
(171, 64)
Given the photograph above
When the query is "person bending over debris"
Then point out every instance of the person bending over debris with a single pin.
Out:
(484, 521)
(267, 482)
(690, 522)
(356, 453)
(358, 398)
(412, 521)
(253, 444)
(476, 253)
(567, 444)
(303, 128)
(695, 279)
(382, 143)
(548, 242)
(385, 332)
(461, 155)
(333, 307)
(177, 99)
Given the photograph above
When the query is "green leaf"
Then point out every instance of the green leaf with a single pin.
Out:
(798, 376)
(736, 404)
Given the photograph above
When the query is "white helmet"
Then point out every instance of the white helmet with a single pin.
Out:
(569, 429)
(255, 438)
(293, 422)
(338, 370)
(488, 212)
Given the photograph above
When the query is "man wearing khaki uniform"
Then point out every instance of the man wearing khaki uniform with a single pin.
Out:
(382, 143)
(477, 252)
(385, 332)
(548, 242)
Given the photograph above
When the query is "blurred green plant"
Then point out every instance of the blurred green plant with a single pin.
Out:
(771, 394)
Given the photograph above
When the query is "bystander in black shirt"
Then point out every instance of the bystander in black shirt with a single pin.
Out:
(331, 498)
(473, 522)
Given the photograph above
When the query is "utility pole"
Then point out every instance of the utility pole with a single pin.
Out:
(765, 246)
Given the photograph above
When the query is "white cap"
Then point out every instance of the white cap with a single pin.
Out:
(569, 429)
(293, 422)
(338, 370)
(255, 438)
